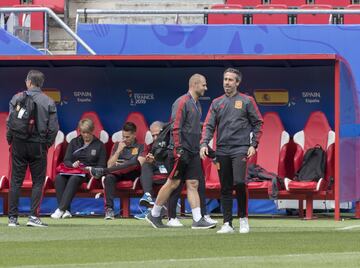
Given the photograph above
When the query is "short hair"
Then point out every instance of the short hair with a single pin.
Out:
(195, 79)
(157, 123)
(36, 77)
(129, 126)
(86, 124)
(234, 71)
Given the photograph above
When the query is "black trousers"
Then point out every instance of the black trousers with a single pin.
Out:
(66, 188)
(110, 185)
(148, 170)
(26, 154)
(232, 172)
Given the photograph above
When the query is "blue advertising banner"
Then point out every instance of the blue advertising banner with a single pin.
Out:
(109, 39)
(10, 45)
(114, 92)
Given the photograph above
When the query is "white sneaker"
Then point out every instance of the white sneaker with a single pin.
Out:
(244, 226)
(57, 214)
(210, 220)
(225, 229)
(174, 222)
(66, 214)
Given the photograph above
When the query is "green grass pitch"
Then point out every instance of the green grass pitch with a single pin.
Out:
(94, 242)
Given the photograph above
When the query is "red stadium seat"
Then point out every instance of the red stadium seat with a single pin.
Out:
(352, 18)
(212, 181)
(245, 3)
(143, 135)
(334, 3)
(53, 160)
(314, 18)
(5, 167)
(271, 155)
(126, 186)
(316, 132)
(290, 3)
(56, 5)
(9, 3)
(5, 163)
(99, 131)
(226, 18)
(101, 134)
(270, 18)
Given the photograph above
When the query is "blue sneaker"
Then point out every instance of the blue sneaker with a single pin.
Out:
(142, 215)
(146, 200)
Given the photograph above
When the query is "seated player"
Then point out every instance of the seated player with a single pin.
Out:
(123, 163)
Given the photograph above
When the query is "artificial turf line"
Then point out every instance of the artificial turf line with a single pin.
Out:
(348, 227)
(251, 257)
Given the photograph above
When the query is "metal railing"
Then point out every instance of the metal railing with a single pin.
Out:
(85, 12)
(47, 12)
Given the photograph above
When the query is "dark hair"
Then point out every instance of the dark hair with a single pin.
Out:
(129, 126)
(235, 71)
(36, 77)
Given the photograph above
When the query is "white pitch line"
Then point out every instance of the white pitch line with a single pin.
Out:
(144, 262)
(349, 227)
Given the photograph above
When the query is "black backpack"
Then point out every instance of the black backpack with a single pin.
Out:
(313, 165)
(161, 145)
(21, 122)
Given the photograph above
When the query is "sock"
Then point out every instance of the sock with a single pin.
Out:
(196, 212)
(155, 212)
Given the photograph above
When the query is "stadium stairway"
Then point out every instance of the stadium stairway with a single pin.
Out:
(61, 42)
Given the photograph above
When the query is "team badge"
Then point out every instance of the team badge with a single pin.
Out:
(134, 151)
(238, 104)
(93, 152)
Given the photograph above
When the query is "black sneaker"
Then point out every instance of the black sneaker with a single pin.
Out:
(202, 224)
(35, 222)
(97, 172)
(13, 221)
(156, 222)
(109, 214)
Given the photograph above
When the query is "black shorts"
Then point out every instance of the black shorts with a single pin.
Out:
(187, 167)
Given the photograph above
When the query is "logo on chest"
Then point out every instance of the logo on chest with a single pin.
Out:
(134, 151)
(238, 104)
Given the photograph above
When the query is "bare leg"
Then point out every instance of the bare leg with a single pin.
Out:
(192, 193)
(166, 191)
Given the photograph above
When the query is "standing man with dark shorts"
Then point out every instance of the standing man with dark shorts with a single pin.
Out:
(32, 150)
(234, 116)
(184, 159)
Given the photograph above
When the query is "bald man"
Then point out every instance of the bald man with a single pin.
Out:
(184, 159)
